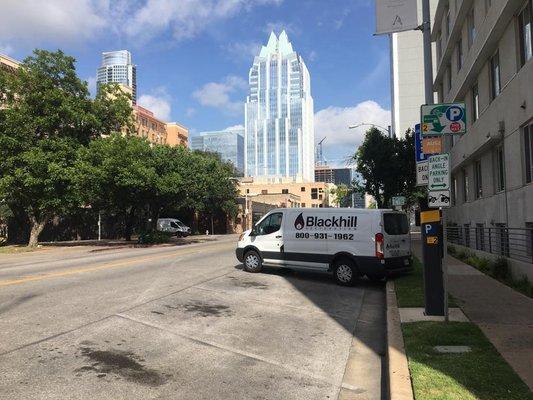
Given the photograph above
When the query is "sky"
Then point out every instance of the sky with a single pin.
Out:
(193, 56)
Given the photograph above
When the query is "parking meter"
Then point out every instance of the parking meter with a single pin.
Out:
(432, 249)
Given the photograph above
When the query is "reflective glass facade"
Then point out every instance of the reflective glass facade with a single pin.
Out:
(229, 144)
(279, 129)
(117, 68)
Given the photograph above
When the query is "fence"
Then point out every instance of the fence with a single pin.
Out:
(515, 243)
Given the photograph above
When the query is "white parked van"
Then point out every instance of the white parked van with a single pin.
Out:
(349, 242)
(173, 226)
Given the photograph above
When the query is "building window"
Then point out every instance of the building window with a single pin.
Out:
(449, 77)
(465, 186)
(448, 23)
(475, 103)
(303, 204)
(264, 191)
(284, 191)
(495, 79)
(438, 44)
(247, 191)
(525, 24)
(460, 55)
(302, 189)
(502, 234)
(471, 24)
(528, 151)
(454, 191)
(529, 239)
(314, 193)
(467, 234)
(500, 169)
(478, 181)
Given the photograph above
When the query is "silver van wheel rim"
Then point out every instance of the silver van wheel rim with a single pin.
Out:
(252, 261)
(344, 273)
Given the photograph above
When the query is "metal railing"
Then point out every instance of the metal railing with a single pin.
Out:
(515, 243)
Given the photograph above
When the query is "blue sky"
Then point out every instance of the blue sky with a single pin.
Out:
(193, 56)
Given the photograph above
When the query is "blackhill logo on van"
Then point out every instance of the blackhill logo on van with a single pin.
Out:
(331, 222)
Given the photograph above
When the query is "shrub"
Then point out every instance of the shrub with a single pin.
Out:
(452, 250)
(524, 286)
(154, 237)
(499, 268)
(463, 255)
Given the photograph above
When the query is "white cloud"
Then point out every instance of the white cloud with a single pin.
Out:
(333, 122)
(185, 19)
(312, 56)
(78, 21)
(278, 26)
(217, 94)
(190, 111)
(6, 49)
(158, 102)
(234, 127)
(243, 51)
(61, 21)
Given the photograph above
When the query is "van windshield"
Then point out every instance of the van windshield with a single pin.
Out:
(395, 224)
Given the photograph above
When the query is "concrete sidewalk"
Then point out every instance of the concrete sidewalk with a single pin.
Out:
(504, 315)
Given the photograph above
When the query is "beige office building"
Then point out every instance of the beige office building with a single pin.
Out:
(484, 58)
(177, 134)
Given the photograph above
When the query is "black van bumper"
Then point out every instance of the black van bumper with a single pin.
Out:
(384, 267)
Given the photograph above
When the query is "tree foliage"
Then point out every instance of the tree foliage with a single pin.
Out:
(46, 114)
(387, 166)
(63, 153)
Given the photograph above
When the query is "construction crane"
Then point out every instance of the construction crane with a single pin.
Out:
(320, 158)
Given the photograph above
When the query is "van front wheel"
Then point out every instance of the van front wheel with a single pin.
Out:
(345, 272)
(252, 261)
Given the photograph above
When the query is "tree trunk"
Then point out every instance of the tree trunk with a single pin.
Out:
(36, 229)
(129, 224)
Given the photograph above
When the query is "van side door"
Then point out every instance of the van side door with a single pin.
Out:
(268, 238)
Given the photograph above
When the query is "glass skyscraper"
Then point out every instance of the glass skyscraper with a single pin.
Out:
(117, 68)
(279, 129)
(229, 144)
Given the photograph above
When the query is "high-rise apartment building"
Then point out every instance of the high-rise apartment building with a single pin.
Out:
(407, 76)
(485, 59)
(229, 144)
(117, 68)
(340, 176)
(279, 128)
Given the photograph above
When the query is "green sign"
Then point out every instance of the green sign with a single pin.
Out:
(440, 119)
(398, 201)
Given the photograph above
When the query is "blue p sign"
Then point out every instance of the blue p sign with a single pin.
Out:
(454, 113)
(430, 229)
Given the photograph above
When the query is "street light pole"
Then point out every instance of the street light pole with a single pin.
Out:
(383, 129)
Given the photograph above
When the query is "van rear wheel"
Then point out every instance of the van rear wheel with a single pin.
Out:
(345, 272)
(252, 261)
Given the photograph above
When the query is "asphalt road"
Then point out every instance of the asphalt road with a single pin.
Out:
(182, 323)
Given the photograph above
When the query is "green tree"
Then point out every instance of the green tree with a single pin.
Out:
(386, 166)
(46, 115)
(117, 174)
(343, 195)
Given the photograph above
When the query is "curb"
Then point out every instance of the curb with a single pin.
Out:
(400, 387)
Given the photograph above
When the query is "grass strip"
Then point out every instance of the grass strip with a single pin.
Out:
(481, 374)
(410, 287)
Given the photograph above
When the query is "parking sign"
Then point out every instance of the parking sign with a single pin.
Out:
(444, 118)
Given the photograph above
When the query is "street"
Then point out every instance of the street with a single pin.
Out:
(183, 323)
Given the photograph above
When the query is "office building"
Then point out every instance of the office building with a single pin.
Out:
(177, 134)
(340, 176)
(117, 67)
(148, 126)
(485, 60)
(228, 143)
(407, 76)
(8, 64)
(279, 127)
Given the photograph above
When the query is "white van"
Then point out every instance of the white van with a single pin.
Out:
(173, 226)
(349, 242)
